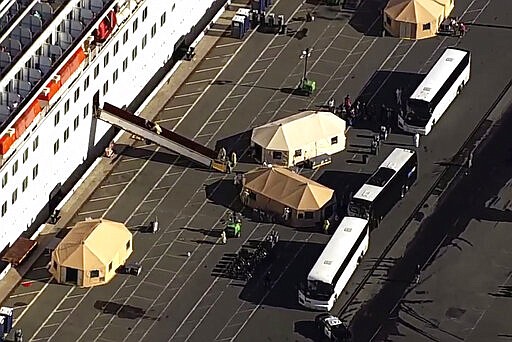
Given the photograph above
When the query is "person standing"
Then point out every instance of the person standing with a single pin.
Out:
(267, 280)
(416, 139)
(326, 226)
(223, 237)
(331, 104)
(398, 93)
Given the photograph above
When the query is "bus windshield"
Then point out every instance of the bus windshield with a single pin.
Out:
(318, 290)
(418, 113)
(359, 208)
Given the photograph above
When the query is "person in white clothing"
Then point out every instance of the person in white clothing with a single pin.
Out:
(416, 140)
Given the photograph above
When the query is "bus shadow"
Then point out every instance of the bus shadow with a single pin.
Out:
(290, 264)
(379, 94)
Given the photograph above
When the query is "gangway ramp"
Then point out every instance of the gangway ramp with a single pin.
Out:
(161, 136)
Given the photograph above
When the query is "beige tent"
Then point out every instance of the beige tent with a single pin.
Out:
(415, 19)
(299, 137)
(91, 252)
(273, 189)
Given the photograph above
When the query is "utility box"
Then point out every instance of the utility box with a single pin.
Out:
(7, 313)
(246, 13)
(238, 27)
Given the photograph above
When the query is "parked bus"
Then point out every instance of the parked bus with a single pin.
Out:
(385, 187)
(336, 264)
(436, 92)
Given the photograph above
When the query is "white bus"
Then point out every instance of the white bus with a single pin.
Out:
(385, 187)
(336, 264)
(436, 92)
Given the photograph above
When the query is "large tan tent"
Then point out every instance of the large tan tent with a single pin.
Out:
(415, 19)
(299, 137)
(91, 252)
(277, 190)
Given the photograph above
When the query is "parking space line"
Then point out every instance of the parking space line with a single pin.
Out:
(217, 57)
(104, 186)
(82, 213)
(39, 268)
(153, 284)
(255, 71)
(227, 44)
(198, 81)
(64, 310)
(208, 69)
(23, 294)
(187, 94)
(123, 172)
(168, 120)
(177, 107)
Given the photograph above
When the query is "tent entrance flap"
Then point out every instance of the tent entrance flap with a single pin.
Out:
(159, 135)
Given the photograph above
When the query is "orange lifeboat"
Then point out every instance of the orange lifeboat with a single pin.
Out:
(20, 127)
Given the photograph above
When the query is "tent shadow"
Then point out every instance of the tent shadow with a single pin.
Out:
(240, 144)
(367, 18)
(224, 193)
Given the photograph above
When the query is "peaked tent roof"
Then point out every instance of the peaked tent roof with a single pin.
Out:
(414, 11)
(91, 244)
(296, 130)
(288, 188)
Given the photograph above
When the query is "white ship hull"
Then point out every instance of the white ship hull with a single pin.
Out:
(27, 191)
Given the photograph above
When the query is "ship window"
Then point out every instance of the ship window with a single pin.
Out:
(125, 63)
(134, 53)
(35, 171)
(105, 60)
(77, 94)
(115, 75)
(76, 122)
(135, 24)
(105, 87)
(4, 180)
(56, 147)
(66, 134)
(56, 118)
(25, 155)
(153, 30)
(66, 107)
(4, 208)
(125, 36)
(144, 41)
(116, 48)
(35, 143)
(162, 19)
(24, 185)
(86, 83)
(14, 167)
(144, 14)
(86, 110)
(14, 196)
(96, 71)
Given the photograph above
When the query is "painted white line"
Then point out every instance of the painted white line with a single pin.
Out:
(187, 94)
(235, 96)
(207, 69)
(24, 294)
(152, 200)
(123, 172)
(218, 57)
(204, 135)
(276, 46)
(198, 81)
(255, 71)
(83, 213)
(112, 185)
(227, 44)
(64, 310)
(177, 107)
(53, 311)
(39, 268)
(217, 121)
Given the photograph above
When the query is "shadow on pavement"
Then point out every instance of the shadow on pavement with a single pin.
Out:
(240, 144)
(120, 310)
(367, 18)
(224, 193)
(307, 329)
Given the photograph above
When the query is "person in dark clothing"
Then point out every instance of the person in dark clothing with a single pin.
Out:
(267, 280)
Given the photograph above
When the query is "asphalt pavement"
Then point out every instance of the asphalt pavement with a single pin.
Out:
(240, 85)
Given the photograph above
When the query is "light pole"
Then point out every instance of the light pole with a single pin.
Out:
(305, 54)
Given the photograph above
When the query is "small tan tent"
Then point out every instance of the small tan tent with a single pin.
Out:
(91, 252)
(273, 189)
(299, 137)
(415, 19)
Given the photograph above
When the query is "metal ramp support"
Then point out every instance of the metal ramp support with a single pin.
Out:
(160, 136)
